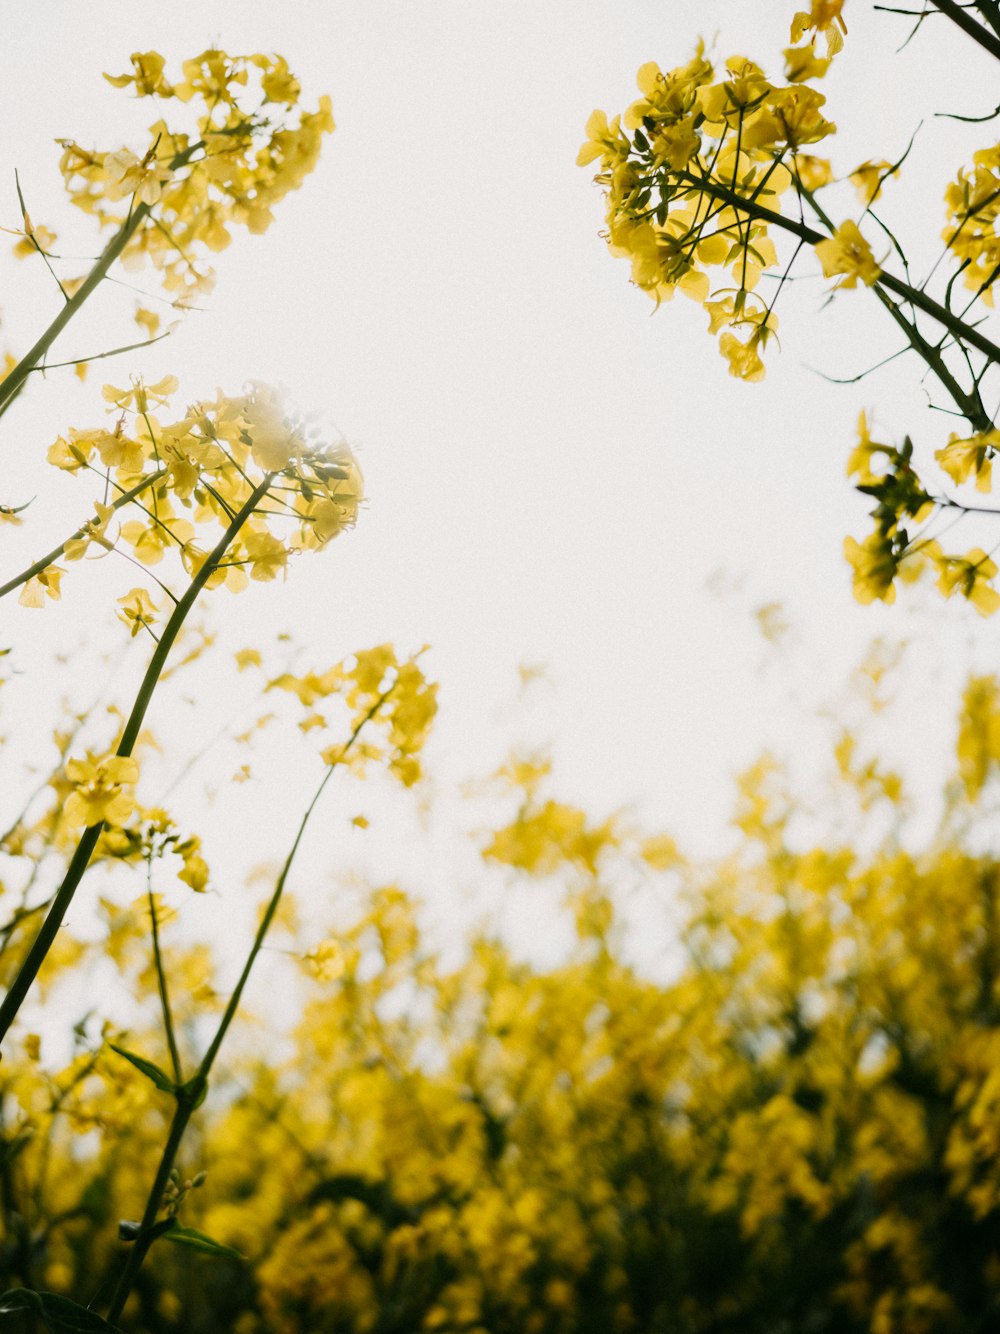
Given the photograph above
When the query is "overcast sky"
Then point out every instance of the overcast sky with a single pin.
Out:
(556, 474)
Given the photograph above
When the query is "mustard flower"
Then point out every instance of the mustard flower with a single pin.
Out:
(848, 253)
(99, 789)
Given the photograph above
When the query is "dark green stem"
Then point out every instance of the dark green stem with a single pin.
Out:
(912, 295)
(187, 1100)
(960, 16)
(14, 382)
(64, 895)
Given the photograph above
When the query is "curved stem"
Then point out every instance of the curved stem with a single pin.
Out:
(74, 873)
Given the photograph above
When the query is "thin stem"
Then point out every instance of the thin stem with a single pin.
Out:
(56, 552)
(230, 1011)
(190, 1094)
(186, 1102)
(913, 295)
(161, 977)
(78, 864)
(13, 383)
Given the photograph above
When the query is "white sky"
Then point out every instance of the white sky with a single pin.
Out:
(553, 471)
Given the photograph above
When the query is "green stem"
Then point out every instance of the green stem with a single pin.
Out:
(56, 552)
(960, 16)
(187, 1100)
(190, 1094)
(913, 295)
(970, 405)
(14, 382)
(161, 977)
(230, 1011)
(64, 895)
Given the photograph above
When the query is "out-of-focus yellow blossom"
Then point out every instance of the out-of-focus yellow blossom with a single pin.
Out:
(971, 575)
(972, 233)
(42, 585)
(970, 457)
(813, 172)
(141, 397)
(129, 175)
(869, 178)
(101, 789)
(847, 252)
(824, 16)
(875, 567)
(147, 319)
(147, 76)
(802, 62)
(35, 238)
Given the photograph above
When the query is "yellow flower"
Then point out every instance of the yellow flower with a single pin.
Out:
(128, 175)
(802, 62)
(812, 172)
(99, 789)
(848, 253)
(823, 17)
(744, 358)
(962, 458)
(971, 575)
(273, 436)
(94, 530)
(604, 141)
(875, 566)
(147, 77)
(137, 610)
(265, 553)
(860, 459)
(45, 584)
(147, 319)
(141, 397)
(27, 244)
(869, 178)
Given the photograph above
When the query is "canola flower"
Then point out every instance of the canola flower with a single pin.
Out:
(713, 186)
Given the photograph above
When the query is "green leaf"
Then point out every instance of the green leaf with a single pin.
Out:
(159, 1077)
(61, 1316)
(190, 1236)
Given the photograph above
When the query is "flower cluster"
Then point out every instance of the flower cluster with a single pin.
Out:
(471, 1141)
(694, 175)
(372, 684)
(971, 234)
(902, 501)
(245, 145)
(187, 478)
